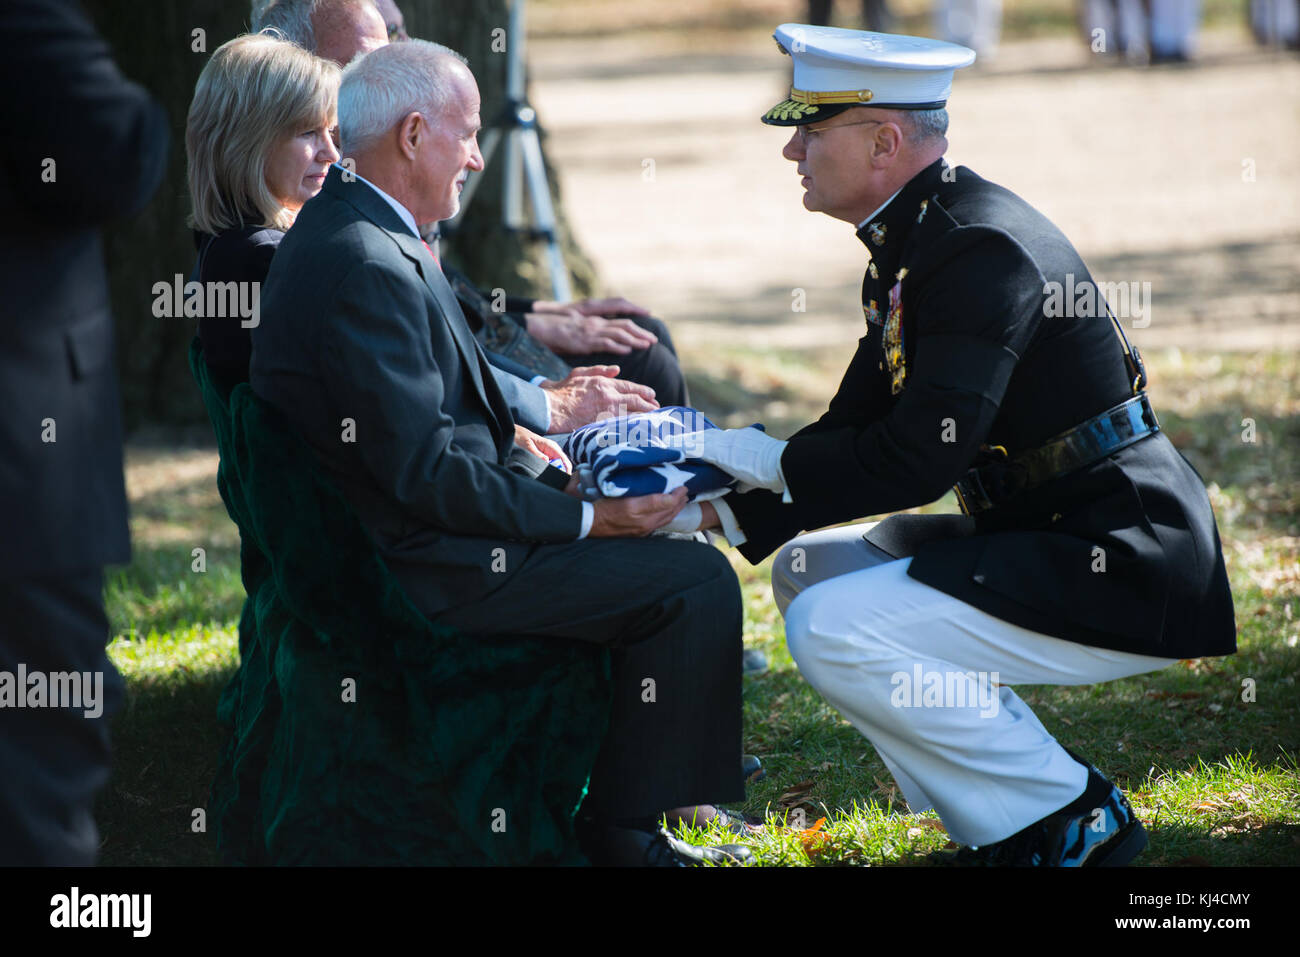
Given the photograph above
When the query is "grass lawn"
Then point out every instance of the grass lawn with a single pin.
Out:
(1213, 777)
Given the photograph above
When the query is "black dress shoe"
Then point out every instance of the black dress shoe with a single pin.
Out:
(1097, 830)
(721, 854)
(753, 662)
(738, 823)
(610, 846)
(751, 768)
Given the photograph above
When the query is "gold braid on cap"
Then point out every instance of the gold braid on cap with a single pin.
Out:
(789, 109)
(840, 96)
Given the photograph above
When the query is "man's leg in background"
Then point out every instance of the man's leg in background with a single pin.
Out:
(53, 761)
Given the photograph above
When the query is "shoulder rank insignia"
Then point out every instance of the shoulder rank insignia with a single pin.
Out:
(871, 269)
(895, 357)
(877, 233)
(872, 312)
(925, 204)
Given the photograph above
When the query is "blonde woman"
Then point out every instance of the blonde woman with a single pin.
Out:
(259, 140)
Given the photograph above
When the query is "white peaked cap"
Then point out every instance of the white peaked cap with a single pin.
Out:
(835, 69)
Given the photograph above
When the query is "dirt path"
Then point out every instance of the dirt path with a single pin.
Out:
(682, 196)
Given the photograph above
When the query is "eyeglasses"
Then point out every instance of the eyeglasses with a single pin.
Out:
(803, 131)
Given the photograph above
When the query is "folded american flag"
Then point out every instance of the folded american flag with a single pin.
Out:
(627, 455)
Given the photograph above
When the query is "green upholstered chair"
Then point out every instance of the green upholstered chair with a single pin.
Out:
(359, 732)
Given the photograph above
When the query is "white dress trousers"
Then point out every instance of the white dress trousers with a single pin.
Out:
(926, 678)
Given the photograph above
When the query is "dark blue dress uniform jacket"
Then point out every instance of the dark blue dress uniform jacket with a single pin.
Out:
(981, 362)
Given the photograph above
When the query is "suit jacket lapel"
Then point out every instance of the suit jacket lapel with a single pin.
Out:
(371, 205)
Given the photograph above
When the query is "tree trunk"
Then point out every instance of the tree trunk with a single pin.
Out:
(482, 248)
(156, 45)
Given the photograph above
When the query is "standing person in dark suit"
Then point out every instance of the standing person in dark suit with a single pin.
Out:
(1088, 550)
(363, 348)
(82, 146)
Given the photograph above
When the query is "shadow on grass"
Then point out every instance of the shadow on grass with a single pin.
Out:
(165, 746)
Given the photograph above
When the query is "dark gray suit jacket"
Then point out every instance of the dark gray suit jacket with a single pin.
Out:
(65, 104)
(363, 347)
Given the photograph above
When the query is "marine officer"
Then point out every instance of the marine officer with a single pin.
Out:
(1087, 550)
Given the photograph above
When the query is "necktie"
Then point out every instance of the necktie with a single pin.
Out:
(433, 254)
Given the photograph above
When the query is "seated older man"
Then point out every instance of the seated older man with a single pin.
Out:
(363, 348)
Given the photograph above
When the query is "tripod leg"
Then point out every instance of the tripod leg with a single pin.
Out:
(544, 212)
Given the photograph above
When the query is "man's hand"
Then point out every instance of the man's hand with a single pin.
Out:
(635, 517)
(589, 393)
(571, 333)
(612, 306)
(541, 446)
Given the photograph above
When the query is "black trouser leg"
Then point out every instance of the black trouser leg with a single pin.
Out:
(671, 613)
(53, 761)
(656, 366)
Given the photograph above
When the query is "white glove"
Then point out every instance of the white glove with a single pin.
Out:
(752, 456)
(587, 486)
(687, 520)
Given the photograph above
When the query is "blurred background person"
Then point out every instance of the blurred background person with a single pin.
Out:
(82, 146)
(1116, 27)
(1174, 25)
(393, 20)
(1275, 22)
(972, 23)
(875, 15)
(1142, 31)
(258, 143)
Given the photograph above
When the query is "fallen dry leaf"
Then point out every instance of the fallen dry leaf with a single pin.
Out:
(794, 794)
(813, 839)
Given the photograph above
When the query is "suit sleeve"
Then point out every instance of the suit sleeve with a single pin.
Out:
(975, 315)
(378, 362)
(67, 104)
(527, 402)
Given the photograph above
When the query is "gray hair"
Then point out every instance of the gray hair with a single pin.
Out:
(926, 125)
(292, 18)
(383, 86)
